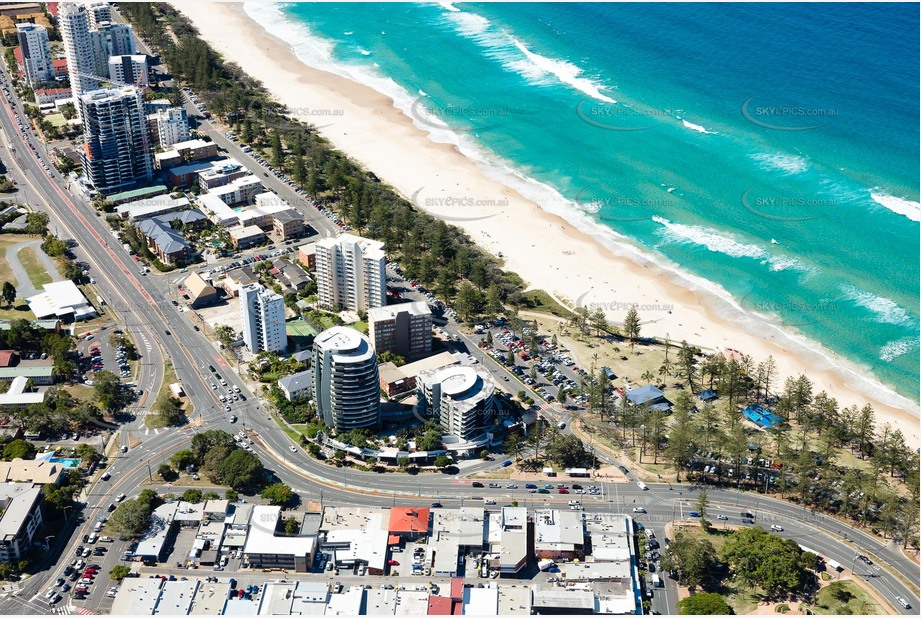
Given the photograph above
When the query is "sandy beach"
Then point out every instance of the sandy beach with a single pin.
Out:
(547, 251)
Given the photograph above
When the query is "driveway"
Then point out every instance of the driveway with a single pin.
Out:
(24, 287)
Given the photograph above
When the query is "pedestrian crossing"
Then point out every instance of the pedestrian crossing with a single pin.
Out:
(70, 610)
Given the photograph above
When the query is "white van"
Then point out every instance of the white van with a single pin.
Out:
(642, 485)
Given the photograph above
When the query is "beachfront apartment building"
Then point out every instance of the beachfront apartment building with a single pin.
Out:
(262, 314)
(129, 69)
(36, 53)
(107, 40)
(74, 25)
(187, 157)
(404, 329)
(345, 379)
(99, 13)
(116, 152)
(351, 273)
(168, 127)
(459, 397)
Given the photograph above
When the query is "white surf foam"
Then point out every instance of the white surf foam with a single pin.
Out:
(515, 55)
(791, 164)
(897, 348)
(697, 127)
(885, 310)
(898, 205)
(316, 52)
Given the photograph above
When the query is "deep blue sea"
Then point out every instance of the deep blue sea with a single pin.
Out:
(771, 149)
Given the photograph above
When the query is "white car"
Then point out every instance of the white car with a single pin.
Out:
(776, 528)
(639, 509)
(292, 448)
(722, 517)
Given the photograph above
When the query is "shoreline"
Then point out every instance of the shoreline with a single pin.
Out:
(546, 250)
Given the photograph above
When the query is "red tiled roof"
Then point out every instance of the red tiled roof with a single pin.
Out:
(440, 606)
(52, 8)
(52, 91)
(17, 52)
(393, 539)
(457, 587)
(7, 357)
(407, 519)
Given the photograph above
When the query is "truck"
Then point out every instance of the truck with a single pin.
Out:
(128, 248)
(657, 581)
(545, 564)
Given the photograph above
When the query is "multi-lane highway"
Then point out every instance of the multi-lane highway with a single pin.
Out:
(144, 304)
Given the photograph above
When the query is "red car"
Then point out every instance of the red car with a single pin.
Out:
(562, 491)
(393, 563)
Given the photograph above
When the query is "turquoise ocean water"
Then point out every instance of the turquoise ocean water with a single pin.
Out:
(771, 149)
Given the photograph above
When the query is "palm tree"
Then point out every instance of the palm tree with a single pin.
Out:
(648, 376)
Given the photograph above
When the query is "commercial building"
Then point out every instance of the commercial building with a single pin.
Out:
(404, 329)
(74, 25)
(296, 386)
(559, 534)
(263, 317)
(116, 150)
(167, 244)
(455, 533)
(266, 550)
(356, 536)
(459, 397)
(345, 379)
(131, 69)
(200, 292)
(351, 273)
(62, 299)
(508, 540)
(36, 53)
(20, 519)
(168, 127)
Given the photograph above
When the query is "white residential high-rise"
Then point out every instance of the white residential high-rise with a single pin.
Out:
(459, 397)
(73, 23)
(36, 52)
(351, 273)
(109, 40)
(99, 13)
(169, 126)
(129, 70)
(263, 317)
(116, 151)
(346, 389)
